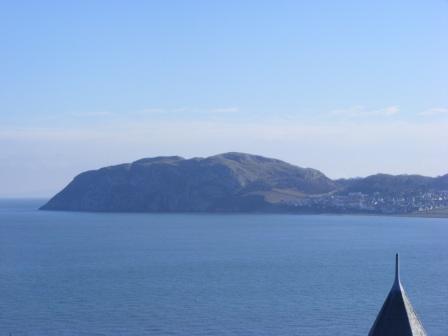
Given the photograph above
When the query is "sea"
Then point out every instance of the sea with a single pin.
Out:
(68, 273)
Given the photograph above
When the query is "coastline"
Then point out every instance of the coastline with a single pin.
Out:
(35, 203)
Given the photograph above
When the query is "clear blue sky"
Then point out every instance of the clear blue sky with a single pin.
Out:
(348, 87)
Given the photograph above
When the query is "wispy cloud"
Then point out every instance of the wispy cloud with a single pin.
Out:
(183, 109)
(91, 114)
(224, 110)
(362, 111)
(152, 110)
(435, 111)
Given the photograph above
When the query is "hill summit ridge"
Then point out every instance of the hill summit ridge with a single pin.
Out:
(241, 182)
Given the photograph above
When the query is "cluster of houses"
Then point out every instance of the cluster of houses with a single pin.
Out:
(382, 203)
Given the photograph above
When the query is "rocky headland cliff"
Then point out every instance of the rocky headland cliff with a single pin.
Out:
(238, 182)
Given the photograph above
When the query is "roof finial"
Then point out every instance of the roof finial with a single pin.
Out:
(397, 269)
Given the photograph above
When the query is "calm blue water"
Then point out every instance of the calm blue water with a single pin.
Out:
(143, 274)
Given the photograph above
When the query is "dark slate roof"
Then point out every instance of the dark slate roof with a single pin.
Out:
(397, 317)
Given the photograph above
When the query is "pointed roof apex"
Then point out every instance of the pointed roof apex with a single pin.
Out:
(397, 270)
(397, 316)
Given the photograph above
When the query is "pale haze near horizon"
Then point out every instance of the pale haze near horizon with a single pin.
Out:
(351, 88)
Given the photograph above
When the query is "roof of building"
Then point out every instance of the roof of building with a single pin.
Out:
(397, 317)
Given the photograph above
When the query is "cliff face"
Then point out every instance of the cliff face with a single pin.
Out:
(226, 182)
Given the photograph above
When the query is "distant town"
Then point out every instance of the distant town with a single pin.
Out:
(377, 202)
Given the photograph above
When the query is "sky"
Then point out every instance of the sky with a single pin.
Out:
(351, 88)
